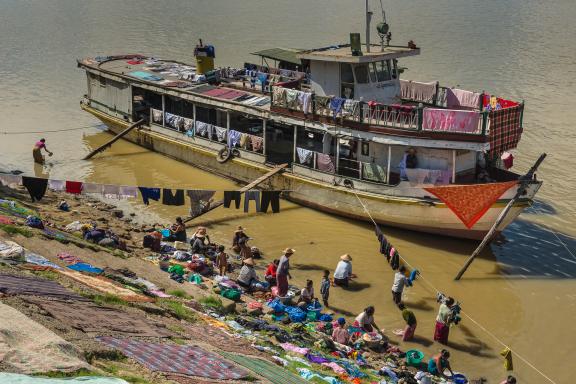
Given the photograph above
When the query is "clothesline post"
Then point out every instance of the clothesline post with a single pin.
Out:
(264, 136)
(295, 140)
(194, 118)
(388, 166)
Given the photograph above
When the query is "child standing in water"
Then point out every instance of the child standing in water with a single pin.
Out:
(325, 287)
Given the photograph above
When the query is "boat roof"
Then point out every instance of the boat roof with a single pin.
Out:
(288, 55)
(343, 53)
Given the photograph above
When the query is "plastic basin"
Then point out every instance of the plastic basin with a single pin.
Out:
(414, 357)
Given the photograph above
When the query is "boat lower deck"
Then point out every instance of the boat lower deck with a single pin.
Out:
(389, 205)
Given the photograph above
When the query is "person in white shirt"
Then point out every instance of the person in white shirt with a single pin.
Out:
(365, 320)
(400, 281)
(343, 271)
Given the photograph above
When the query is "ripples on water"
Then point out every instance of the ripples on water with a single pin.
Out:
(518, 49)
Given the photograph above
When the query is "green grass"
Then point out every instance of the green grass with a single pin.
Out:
(50, 275)
(177, 309)
(59, 374)
(211, 301)
(108, 298)
(15, 230)
(179, 293)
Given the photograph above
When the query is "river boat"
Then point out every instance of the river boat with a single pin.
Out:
(359, 140)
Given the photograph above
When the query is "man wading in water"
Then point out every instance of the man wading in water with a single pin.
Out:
(37, 151)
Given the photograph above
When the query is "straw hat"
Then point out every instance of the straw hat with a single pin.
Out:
(346, 257)
(249, 261)
(239, 229)
(289, 251)
(200, 235)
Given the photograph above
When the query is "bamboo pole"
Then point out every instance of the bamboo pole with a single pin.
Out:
(524, 180)
(114, 139)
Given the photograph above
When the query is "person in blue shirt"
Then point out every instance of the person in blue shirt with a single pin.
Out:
(325, 287)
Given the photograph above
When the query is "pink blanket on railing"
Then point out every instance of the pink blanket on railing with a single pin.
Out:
(447, 120)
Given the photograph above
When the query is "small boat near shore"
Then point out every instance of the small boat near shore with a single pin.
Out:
(419, 155)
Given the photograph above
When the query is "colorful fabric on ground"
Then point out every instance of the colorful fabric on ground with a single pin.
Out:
(470, 202)
(104, 285)
(89, 317)
(85, 267)
(68, 258)
(309, 375)
(505, 129)
(218, 338)
(6, 220)
(265, 369)
(446, 120)
(180, 359)
(15, 378)
(24, 285)
(28, 347)
(35, 259)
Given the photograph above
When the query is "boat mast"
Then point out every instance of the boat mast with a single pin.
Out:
(368, 18)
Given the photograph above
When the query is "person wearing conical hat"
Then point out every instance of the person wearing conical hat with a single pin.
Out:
(247, 278)
(343, 272)
(239, 234)
(283, 272)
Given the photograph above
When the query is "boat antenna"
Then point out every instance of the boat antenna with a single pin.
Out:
(383, 29)
(368, 19)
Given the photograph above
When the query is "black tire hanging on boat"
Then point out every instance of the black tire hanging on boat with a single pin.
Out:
(224, 155)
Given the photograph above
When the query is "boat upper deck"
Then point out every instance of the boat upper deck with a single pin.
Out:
(343, 54)
(181, 77)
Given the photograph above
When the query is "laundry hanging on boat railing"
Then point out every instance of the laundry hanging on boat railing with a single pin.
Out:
(199, 199)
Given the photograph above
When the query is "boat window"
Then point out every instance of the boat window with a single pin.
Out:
(373, 76)
(361, 72)
(383, 71)
(251, 125)
(346, 75)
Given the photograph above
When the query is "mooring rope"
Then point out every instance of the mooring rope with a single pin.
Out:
(523, 359)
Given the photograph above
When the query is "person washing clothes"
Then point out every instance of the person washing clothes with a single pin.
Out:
(509, 380)
(247, 277)
(37, 151)
(439, 363)
(343, 272)
(365, 321)
(400, 281)
(178, 231)
(325, 287)
(270, 275)
(443, 321)
(306, 295)
(340, 334)
(238, 235)
(410, 320)
(283, 272)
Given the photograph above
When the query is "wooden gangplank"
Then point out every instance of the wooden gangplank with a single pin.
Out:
(258, 181)
(114, 139)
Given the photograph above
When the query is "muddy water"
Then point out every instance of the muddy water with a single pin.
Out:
(522, 290)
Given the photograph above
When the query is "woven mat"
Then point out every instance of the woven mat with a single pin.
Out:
(104, 285)
(24, 285)
(89, 317)
(28, 347)
(179, 359)
(265, 369)
(221, 340)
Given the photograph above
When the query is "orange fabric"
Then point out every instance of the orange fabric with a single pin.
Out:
(470, 202)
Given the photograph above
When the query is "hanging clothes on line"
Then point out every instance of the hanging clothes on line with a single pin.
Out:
(220, 133)
(270, 198)
(8, 179)
(304, 155)
(233, 138)
(128, 192)
(74, 187)
(230, 196)
(36, 187)
(56, 185)
(325, 163)
(336, 105)
(111, 191)
(257, 143)
(251, 195)
(149, 193)
(92, 188)
(172, 198)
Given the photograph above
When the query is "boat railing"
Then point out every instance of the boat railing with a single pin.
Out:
(354, 169)
(396, 116)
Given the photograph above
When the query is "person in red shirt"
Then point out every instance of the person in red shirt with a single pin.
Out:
(270, 275)
(37, 151)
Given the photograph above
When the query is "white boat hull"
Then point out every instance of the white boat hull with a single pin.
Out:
(404, 206)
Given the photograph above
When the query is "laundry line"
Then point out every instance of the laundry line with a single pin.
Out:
(478, 324)
(53, 131)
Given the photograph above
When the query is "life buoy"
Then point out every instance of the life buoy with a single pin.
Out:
(224, 155)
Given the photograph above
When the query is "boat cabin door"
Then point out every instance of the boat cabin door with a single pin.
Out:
(279, 143)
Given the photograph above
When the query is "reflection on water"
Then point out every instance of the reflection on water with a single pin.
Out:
(521, 289)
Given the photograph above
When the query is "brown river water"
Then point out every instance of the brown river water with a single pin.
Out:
(522, 290)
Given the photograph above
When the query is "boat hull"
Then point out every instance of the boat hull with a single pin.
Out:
(387, 206)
